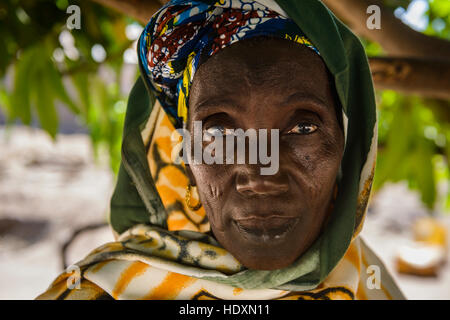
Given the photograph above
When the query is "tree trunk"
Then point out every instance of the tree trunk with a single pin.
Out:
(396, 38)
(429, 78)
(141, 10)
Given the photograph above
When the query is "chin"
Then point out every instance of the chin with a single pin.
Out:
(262, 248)
(266, 256)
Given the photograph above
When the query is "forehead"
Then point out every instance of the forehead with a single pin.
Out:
(275, 66)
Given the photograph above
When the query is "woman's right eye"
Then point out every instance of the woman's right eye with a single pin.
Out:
(218, 131)
(304, 129)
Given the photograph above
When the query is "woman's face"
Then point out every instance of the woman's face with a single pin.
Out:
(268, 221)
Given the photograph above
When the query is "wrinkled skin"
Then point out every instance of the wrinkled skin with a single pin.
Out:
(268, 221)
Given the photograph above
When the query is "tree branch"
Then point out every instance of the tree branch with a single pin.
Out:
(141, 10)
(75, 234)
(396, 38)
(425, 77)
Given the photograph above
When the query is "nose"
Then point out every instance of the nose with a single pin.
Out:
(250, 182)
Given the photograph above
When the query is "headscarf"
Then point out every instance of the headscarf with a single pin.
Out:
(176, 38)
(164, 250)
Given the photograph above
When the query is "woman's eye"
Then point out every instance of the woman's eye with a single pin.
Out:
(303, 128)
(218, 131)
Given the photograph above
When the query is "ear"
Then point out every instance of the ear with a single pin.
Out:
(190, 175)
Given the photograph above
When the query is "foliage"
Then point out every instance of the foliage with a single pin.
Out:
(40, 71)
(413, 145)
(414, 132)
(32, 34)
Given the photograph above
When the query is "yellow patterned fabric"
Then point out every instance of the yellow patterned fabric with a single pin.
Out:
(115, 270)
(171, 180)
(147, 262)
(122, 270)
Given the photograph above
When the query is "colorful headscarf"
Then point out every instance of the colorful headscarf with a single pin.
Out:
(182, 32)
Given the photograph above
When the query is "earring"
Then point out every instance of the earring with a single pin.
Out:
(188, 199)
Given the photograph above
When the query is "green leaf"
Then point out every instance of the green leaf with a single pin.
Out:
(45, 107)
(397, 145)
(53, 76)
(23, 84)
(5, 101)
(43, 94)
(424, 173)
(81, 83)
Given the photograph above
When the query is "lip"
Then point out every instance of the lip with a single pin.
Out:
(266, 229)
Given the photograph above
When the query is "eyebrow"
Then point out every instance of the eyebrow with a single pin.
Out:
(208, 106)
(302, 98)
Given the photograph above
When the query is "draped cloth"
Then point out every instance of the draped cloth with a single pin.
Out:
(164, 250)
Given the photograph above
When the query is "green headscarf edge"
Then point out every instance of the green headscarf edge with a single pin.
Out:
(136, 200)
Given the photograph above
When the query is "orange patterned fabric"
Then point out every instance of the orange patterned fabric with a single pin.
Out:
(171, 180)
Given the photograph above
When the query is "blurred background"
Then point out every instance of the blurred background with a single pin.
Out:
(66, 70)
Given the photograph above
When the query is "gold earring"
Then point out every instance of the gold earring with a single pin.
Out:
(188, 199)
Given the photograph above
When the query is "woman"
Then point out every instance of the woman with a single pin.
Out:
(198, 230)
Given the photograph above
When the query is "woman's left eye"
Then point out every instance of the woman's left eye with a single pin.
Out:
(218, 131)
(303, 128)
(215, 130)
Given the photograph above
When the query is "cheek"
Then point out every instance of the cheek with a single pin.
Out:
(316, 164)
(211, 181)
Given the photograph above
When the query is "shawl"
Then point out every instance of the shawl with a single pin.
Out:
(164, 250)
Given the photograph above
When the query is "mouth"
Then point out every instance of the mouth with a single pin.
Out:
(270, 229)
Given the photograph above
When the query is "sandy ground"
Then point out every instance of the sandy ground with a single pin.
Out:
(388, 227)
(47, 190)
